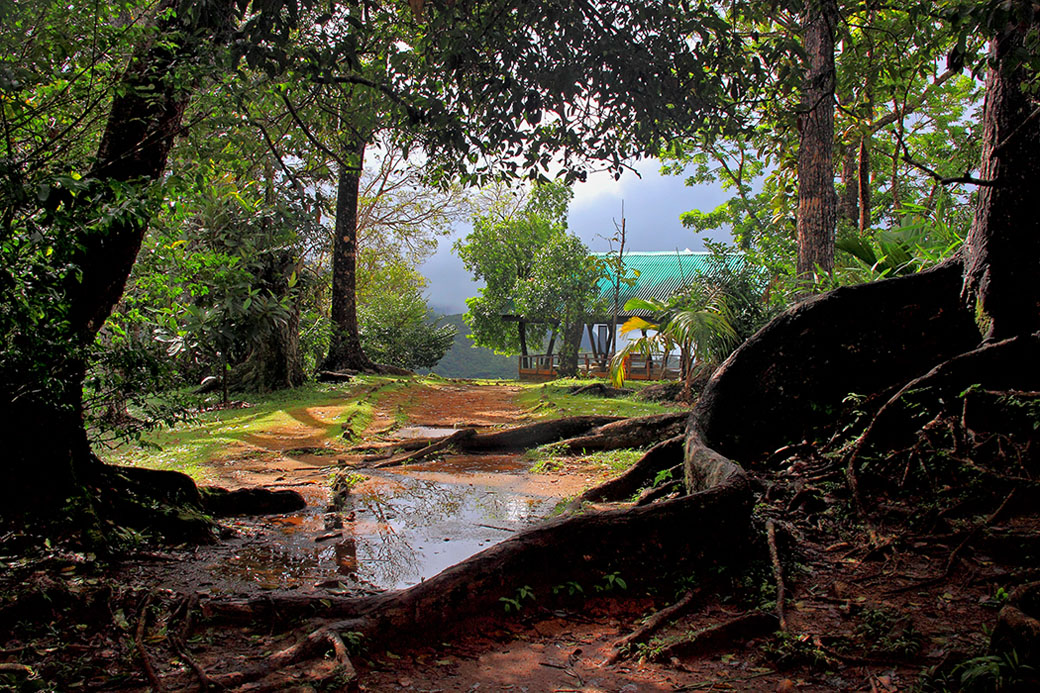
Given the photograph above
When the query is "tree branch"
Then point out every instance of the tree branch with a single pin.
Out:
(966, 178)
(310, 135)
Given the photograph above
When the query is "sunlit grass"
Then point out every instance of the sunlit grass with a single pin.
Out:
(549, 458)
(553, 400)
(320, 411)
(318, 408)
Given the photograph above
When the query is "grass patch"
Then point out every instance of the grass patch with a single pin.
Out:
(551, 458)
(553, 400)
(321, 408)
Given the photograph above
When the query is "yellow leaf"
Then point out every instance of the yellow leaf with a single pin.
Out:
(636, 323)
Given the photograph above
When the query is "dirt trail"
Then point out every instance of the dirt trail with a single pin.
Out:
(398, 526)
(298, 455)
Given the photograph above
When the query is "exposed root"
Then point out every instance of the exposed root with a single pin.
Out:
(623, 646)
(539, 433)
(628, 433)
(665, 490)
(316, 643)
(998, 365)
(661, 456)
(205, 682)
(424, 452)
(146, 660)
(343, 376)
(723, 636)
(571, 434)
(955, 554)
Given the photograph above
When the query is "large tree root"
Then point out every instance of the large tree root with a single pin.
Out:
(793, 374)
(628, 433)
(514, 439)
(539, 433)
(997, 366)
(574, 434)
(456, 438)
(662, 456)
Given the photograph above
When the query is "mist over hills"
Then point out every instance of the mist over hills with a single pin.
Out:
(464, 360)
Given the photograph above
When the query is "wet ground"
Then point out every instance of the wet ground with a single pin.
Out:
(397, 527)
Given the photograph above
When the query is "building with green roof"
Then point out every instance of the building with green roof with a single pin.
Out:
(657, 276)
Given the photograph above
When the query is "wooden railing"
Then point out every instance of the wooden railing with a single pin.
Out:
(545, 367)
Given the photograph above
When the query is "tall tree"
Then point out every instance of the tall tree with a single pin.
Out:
(1003, 247)
(483, 79)
(146, 111)
(502, 251)
(345, 351)
(817, 203)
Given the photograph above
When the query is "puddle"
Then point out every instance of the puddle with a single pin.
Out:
(401, 526)
(412, 432)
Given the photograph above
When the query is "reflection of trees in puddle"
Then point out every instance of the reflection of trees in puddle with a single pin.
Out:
(401, 528)
(407, 511)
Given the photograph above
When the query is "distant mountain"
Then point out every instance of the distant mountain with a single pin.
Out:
(464, 360)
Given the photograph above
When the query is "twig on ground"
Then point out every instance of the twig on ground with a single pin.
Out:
(778, 574)
(146, 660)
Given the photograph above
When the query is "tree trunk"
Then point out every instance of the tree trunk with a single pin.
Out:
(52, 472)
(345, 352)
(1003, 246)
(863, 178)
(276, 362)
(816, 198)
(848, 205)
(569, 349)
(864, 182)
(522, 335)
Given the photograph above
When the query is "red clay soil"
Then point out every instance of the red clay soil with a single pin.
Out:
(864, 614)
(451, 405)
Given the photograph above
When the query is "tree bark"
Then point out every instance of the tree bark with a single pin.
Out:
(864, 182)
(1003, 245)
(848, 207)
(345, 352)
(863, 177)
(50, 460)
(794, 373)
(817, 203)
(569, 349)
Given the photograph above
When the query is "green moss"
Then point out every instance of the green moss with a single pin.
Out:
(553, 400)
(189, 446)
(550, 458)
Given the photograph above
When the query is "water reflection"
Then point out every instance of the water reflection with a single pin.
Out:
(403, 526)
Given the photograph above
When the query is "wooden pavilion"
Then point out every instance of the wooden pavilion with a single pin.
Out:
(660, 275)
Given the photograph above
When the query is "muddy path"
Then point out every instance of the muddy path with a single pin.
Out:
(397, 526)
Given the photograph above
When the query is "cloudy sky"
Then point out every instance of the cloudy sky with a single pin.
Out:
(653, 204)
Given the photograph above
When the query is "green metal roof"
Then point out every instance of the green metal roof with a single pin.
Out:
(661, 274)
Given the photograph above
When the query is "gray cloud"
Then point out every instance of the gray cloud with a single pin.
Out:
(653, 204)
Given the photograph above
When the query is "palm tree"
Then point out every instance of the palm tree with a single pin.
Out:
(696, 321)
